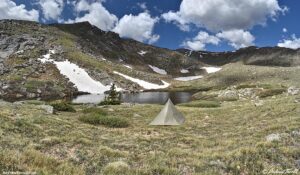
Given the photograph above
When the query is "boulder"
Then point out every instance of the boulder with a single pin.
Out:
(293, 90)
(47, 108)
(228, 94)
(273, 137)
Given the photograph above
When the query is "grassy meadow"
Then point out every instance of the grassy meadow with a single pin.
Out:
(230, 138)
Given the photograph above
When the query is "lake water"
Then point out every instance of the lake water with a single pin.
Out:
(142, 97)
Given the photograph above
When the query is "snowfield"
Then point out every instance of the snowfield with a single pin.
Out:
(158, 70)
(78, 76)
(212, 69)
(142, 83)
(190, 78)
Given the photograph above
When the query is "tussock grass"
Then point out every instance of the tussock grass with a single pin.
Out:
(230, 139)
(202, 104)
(271, 92)
(99, 111)
(243, 86)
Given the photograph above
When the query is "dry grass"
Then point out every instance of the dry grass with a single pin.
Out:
(229, 139)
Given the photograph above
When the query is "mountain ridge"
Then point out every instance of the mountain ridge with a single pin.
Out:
(106, 57)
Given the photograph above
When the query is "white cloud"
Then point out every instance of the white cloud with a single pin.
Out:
(52, 8)
(177, 19)
(237, 38)
(293, 43)
(284, 30)
(200, 41)
(142, 5)
(138, 27)
(10, 10)
(222, 15)
(96, 14)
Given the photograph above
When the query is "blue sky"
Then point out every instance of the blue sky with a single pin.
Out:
(213, 25)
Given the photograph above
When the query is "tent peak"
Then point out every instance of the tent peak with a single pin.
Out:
(169, 115)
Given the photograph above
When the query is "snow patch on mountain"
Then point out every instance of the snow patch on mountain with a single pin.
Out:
(212, 69)
(142, 52)
(184, 71)
(129, 67)
(142, 83)
(158, 70)
(189, 78)
(78, 76)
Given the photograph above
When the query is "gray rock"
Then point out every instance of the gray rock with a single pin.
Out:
(259, 103)
(229, 94)
(111, 110)
(217, 163)
(47, 108)
(298, 163)
(295, 133)
(31, 95)
(137, 115)
(4, 103)
(293, 90)
(273, 137)
(18, 103)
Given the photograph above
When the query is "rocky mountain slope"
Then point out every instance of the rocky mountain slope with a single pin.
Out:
(266, 56)
(99, 53)
(41, 60)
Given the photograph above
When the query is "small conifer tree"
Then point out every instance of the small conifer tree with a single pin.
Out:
(113, 97)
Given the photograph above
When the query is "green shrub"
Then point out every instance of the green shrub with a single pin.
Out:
(265, 86)
(271, 92)
(244, 86)
(109, 103)
(109, 121)
(227, 98)
(202, 103)
(63, 106)
(94, 110)
(94, 119)
(115, 122)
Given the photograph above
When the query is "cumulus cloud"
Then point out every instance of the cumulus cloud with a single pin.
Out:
(96, 14)
(293, 43)
(237, 38)
(200, 41)
(51, 8)
(177, 19)
(284, 30)
(10, 10)
(138, 27)
(222, 15)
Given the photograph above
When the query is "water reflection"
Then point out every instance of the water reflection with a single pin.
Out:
(143, 97)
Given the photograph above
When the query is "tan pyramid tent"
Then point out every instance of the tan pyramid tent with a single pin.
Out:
(169, 115)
